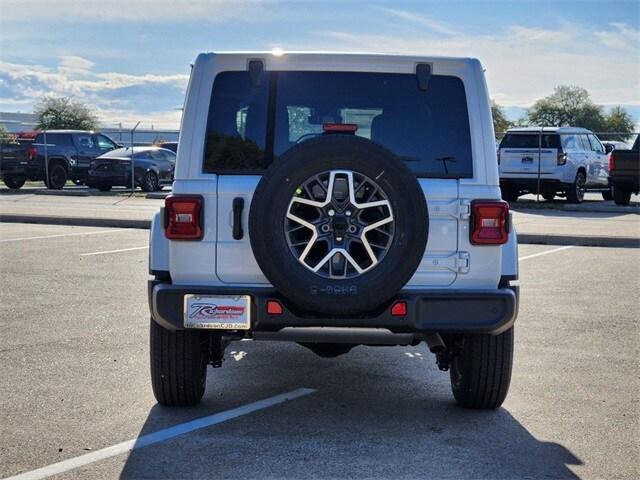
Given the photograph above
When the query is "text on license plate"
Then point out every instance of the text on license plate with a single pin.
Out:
(226, 312)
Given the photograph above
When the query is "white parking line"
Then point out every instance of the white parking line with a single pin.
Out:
(546, 252)
(159, 436)
(114, 251)
(113, 230)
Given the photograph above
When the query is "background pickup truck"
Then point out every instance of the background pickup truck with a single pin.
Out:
(624, 173)
(69, 154)
(15, 163)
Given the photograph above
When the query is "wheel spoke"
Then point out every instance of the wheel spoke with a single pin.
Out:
(346, 224)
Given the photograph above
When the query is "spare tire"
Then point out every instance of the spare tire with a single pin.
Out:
(338, 224)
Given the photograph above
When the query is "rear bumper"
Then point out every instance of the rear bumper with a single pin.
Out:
(442, 311)
(630, 182)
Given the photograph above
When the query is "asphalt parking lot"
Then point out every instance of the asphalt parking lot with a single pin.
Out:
(75, 380)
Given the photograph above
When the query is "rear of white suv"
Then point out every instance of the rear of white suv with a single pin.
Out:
(335, 200)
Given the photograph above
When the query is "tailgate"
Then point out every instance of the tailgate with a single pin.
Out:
(527, 161)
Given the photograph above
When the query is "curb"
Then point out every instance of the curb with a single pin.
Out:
(523, 238)
(542, 207)
(76, 221)
(63, 193)
(579, 241)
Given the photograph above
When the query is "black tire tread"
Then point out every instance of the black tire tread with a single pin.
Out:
(177, 375)
(485, 370)
(621, 196)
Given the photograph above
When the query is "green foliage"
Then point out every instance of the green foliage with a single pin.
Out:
(618, 120)
(64, 112)
(572, 106)
(500, 122)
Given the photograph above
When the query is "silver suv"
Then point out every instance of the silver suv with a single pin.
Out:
(335, 200)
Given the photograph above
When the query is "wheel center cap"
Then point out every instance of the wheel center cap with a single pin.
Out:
(339, 224)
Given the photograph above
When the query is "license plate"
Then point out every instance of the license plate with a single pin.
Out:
(224, 312)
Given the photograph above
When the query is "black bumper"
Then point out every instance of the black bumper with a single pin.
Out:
(531, 184)
(442, 311)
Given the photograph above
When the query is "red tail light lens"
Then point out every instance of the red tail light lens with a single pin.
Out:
(612, 162)
(489, 222)
(32, 153)
(274, 307)
(399, 309)
(183, 218)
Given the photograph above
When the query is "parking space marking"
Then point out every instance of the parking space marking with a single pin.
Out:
(114, 251)
(159, 436)
(75, 234)
(546, 252)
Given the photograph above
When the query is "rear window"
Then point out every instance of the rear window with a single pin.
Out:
(529, 140)
(249, 126)
(57, 139)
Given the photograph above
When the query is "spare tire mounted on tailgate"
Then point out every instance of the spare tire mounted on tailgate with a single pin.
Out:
(338, 224)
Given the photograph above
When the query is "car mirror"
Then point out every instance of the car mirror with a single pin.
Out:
(608, 148)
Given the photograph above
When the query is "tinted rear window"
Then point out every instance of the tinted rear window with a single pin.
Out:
(251, 125)
(57, 139)
(519, 140)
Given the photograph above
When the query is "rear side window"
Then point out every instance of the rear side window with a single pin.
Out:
(596, 146)
(55, 139)
(251, 125)
(529, 140)
(571, 143)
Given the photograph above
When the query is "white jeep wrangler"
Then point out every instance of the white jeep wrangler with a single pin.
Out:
(335, 200)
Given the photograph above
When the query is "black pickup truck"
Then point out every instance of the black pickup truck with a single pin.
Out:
(624, 173)
(69, 154)
(16, 162)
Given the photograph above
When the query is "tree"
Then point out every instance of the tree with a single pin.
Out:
(618, 120)
(500, 122)
(65, 112)
(567, 106)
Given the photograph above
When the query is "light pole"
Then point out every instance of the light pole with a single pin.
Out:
(47, 122)
(133, 162)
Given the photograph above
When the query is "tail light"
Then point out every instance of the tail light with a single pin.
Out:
(183, 217)
(562, 158)
(32, 153)
(612, 162)
(489, 222)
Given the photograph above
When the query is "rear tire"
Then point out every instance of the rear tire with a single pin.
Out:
(549, 196)
(14, 183)
(178, 365)
(510, 194)
(621, 196)
(575, 193)
(103, 187)
(149, 182)
(607, 194)
(481, 373)
(57, 177)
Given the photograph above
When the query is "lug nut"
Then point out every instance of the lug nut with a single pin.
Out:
(331, 212)
(352, 229)
(324, 228)
(338, 239)
(348, 213)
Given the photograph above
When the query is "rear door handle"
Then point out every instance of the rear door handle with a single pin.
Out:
(238, 205)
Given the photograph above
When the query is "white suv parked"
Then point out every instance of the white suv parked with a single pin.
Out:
(567, 161)
(335, 200)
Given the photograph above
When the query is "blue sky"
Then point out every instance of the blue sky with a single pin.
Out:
(130, 59)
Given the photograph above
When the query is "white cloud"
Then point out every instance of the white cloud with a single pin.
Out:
(620, 37)
(522, 64)
(213, 11)
(422, 20)
(109, 93)
(72, 62)
(540, 35)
